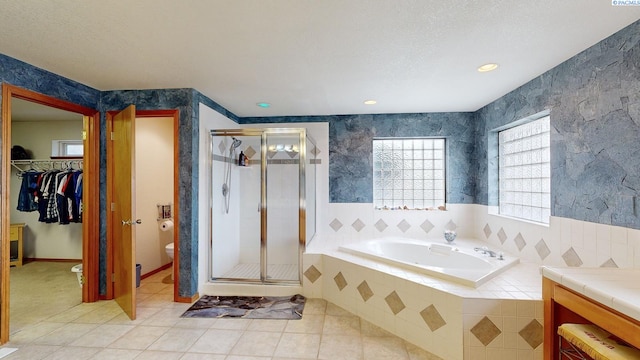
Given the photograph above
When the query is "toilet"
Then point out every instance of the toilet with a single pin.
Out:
(169, 250)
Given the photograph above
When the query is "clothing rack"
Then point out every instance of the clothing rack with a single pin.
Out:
(46, 164)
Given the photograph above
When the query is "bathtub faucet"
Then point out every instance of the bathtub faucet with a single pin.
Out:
(485, 250)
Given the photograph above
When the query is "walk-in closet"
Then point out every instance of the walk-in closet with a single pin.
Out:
(46, 212)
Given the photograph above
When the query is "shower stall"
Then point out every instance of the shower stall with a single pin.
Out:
(263, 204)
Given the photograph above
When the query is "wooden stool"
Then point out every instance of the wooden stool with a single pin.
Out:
(590, 342)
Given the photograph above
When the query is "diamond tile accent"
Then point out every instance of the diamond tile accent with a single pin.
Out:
(520, 243)
(404, 226)
(427, 226)
(571, 258)
(365, 291)
(315, 151)
(395, 303)
(532, 333)
(451, 225)
(341, 282)
(485, 331)
(312, 273)
(249, 152)
(358, 225)
(542, 249)
(221, 147)
(292, 154)
(487, 230)
(609, 263)
(381, 225)
(271, 154)
(502, 235)
(335, 225)
(432, 317)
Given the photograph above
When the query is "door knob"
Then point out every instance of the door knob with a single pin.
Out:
(130, 222)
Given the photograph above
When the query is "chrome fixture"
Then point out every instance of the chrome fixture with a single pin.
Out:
(226, 186)
(485, 250)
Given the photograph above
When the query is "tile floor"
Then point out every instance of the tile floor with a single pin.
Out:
(102, 331)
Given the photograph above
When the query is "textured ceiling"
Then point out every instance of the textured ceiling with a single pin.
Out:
(309, 57)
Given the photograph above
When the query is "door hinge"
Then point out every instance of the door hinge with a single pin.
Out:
(113, 136)
(83, 280)
(84, 135)
(113, 206)
(113, 277)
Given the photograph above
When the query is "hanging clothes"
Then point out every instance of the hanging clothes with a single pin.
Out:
(27, 196)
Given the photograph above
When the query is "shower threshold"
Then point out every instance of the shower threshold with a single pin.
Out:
(288, 272)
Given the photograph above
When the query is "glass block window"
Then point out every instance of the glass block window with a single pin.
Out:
(408, 173)
(524, 171)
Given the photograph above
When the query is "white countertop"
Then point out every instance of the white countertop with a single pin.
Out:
(616, 288)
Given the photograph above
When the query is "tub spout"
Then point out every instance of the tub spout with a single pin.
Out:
(486, 251)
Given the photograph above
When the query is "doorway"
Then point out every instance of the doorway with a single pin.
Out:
(131, 223)
(90, 197)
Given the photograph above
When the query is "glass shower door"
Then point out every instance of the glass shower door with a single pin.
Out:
(235, 205)
(283, 199)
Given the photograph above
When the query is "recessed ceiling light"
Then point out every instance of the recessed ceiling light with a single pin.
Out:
(370, 102)
(263, 105)
(488, 67)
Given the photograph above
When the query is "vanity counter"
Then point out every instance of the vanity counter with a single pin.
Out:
(606, 297)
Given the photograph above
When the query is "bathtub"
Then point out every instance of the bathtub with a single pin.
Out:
(458, 262)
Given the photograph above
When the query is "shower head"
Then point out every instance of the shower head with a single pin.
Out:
(235, 143)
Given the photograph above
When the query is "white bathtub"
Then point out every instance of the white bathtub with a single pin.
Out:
(458, 262)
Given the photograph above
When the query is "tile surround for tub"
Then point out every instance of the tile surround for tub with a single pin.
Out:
(365, 291)
(340, 281)
(502, 235)
(336, 225)
(571, 258)
(427, 226)
(533, 333)
(487, 230)
(485, 331)
(358, 225)
(519, 241)
(404, 226)
(312, 273)
(395, 303)
(432, 318)
(542, 249)
(381, 225)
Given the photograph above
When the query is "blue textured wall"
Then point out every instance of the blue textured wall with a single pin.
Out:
(594, 99)
(18, 73)
(350, 149)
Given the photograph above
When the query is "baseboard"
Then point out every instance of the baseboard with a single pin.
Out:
(150, 273)
(184, 299)
(28, 260)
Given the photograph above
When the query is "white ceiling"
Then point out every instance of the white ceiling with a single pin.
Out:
(309, 57)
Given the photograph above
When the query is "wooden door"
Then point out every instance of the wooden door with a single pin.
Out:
(123, 210)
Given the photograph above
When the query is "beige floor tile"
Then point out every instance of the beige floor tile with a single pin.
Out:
(32, 352)
(416, 353)
(267, 325)
(333, 309)
(75, 353)
(341, 325)
(102, 336)
(315, 306)
(157, 300)
(178, 340)
(139, 338)
(256, 343)
(65, 334)
(231, 324)
(163, 317)
(340, 347)
(31, 333)
(216, 341)
(194, 356)
(309, 324)
(384, 348)
(369, 329)
(244, 357)
(159, 355)
(202, 323)
(153, 287)
(302, 346)
(100, 315)
(116, 354)
(142, 314)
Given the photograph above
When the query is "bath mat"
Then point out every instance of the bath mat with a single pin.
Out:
(248, 307)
